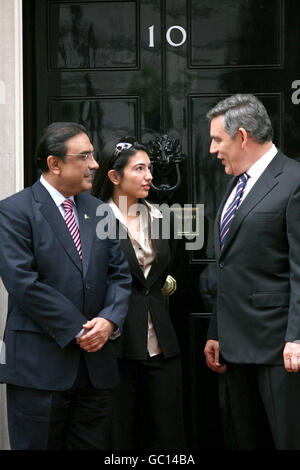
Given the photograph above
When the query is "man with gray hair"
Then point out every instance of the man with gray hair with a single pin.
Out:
(254, 333)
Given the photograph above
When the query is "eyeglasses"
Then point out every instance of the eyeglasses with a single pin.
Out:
(82, 156)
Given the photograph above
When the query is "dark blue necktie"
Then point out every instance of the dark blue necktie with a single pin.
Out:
(232, 208)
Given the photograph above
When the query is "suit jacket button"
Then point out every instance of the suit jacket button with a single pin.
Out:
(146, 291)
(221, 264)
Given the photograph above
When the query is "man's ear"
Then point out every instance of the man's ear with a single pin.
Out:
(243, 136)
(114, 177)
(54, 164)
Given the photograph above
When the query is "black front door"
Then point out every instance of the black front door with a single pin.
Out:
(153, 67)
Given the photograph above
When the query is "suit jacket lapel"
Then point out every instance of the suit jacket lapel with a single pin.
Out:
(156, 268)
(262, 187)
(230, 187)
(135, 268)
(51, 213)
(87, 229)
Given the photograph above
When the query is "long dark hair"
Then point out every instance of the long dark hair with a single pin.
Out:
(116, 159)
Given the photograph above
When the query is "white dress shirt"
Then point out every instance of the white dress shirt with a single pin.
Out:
(59, 198)
(254, 172)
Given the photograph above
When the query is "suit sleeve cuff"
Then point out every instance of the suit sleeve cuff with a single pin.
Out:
(80, 333)
(115, 334)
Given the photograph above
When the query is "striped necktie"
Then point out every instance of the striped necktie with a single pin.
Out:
(232, 208)
(72, 225)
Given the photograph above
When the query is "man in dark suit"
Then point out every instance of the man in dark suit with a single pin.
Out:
(254, 332)
(68, 297)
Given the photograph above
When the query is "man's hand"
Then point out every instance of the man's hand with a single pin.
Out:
(291, 357)
(211, 352)
(97, 331)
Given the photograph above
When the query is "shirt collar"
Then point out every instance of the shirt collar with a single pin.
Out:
(154, 212)
(144, 233)
(261, 164)
(57, 197)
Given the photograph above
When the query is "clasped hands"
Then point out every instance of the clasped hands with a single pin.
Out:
(291, 356)
(97, 331)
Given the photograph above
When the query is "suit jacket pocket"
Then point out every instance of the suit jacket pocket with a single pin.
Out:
(23, 323)
(271, 299)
